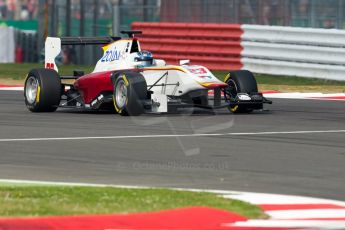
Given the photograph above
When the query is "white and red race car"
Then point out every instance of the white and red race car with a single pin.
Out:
(132, 82)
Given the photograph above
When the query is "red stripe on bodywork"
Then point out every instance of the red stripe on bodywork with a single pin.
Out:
(91, 85)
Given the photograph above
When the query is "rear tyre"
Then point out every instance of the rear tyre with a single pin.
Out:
(241, 81)
(42, 90)
(130, 91)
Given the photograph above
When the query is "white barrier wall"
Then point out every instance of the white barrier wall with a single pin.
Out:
(315, 53)
(7, 50)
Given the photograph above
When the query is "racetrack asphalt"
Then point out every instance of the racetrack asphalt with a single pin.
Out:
(308, 164)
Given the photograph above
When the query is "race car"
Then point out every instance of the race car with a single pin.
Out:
(132, 82)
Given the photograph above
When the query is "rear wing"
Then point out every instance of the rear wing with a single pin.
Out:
(53, 46)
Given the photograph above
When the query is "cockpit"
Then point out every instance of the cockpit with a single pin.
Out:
(141, 58)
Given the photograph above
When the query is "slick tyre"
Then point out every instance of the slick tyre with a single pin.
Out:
(241, 81)
(42, 90)
(130, 90)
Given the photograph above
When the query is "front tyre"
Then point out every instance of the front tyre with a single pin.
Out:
(130, 91)
(42, 90)
(240, 81)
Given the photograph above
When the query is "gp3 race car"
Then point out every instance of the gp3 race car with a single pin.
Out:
(132, 82)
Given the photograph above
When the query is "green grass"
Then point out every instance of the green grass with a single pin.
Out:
(19, 71)
(34, 200)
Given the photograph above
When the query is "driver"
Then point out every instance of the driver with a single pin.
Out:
(143, 58)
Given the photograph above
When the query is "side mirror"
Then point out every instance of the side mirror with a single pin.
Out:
(159, 62)
(184, 62)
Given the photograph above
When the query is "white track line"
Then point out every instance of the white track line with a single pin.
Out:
(170, 135)
(267, 199)
(308, 224)
(307, 214)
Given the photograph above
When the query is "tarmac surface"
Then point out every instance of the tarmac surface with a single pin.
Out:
(163, 150)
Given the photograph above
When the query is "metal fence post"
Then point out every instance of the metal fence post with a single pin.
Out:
(82, 31)
(53, 18)
(236, 11)
(95, 17)
(116, 20)
(95, 28)
(41, 26)
(145, 9)
(287, 14)
(312, 14)
(340, 14)
(68, 18)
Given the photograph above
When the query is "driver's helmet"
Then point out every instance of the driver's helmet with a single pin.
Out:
(144, 58)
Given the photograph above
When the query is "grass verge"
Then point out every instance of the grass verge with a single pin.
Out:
(19, 71)
(16, 73)
(34, 200)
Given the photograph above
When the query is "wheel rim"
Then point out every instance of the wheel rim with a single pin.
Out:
(121, 94)
(31, 89)
(231, 92)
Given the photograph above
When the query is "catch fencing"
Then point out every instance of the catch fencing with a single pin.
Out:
(26, 47)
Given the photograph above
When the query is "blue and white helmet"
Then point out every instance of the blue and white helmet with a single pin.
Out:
(144, 58)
